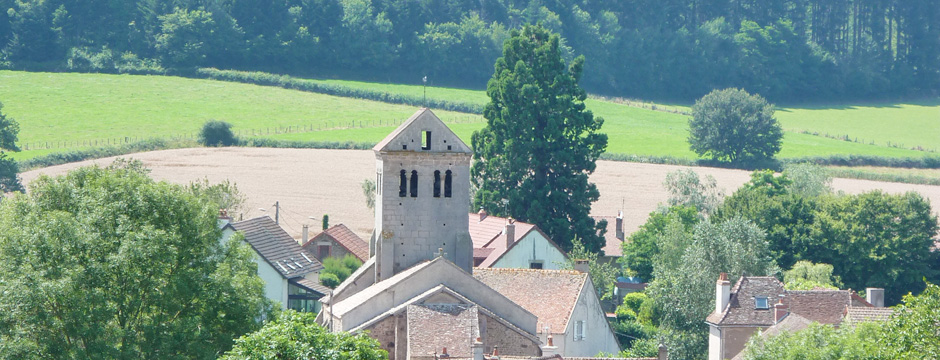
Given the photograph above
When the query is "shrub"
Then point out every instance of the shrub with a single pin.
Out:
(624, 313)
(329, 280)
(634, 301)
(217, 133)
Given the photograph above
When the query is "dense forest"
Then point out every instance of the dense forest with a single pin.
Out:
(786, 50)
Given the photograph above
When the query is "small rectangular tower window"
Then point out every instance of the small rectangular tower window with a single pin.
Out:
(414, 183)
(437, 183)
(447, 183)
(402, 186)
(426, 141)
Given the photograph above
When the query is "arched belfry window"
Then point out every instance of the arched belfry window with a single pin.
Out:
(448, 176)
(414, 183)
(402, 185)
(437, 183)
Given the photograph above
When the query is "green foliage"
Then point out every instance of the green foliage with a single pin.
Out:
(857, 234)
(821, 342)
(326, 221)
(603, 274)
(330, 280)
(734, 126)
(912, 332)
(807, 179)
(9, 180)
(336, 270)
(217, 133)
(59, 158)
(368, 189)
(108, 263)
(533, 158)
(296, 336)
(639, 252)
(634, 301)
(686, 189)
(223, 195)
(808, 276)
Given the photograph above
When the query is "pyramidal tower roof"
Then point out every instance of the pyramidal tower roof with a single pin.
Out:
(423, 131)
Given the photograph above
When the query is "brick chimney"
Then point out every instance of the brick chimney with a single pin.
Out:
(663, 353)
(482, 214)
(780, 311)
(722, 293)
(619, 224)
(304, 235)
(477, 349)
(875, 296)
(582, 265)
(224, 219)
(510, 232)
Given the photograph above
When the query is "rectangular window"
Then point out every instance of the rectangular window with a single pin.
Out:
(536, 264)
(426, 141)
(323, 251)
(760, 302)
(579, 330)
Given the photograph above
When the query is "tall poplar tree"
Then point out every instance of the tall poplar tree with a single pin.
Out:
(533, 158)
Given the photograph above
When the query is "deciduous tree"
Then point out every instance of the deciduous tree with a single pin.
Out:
(734, 126)
(9, 128)
(108, 263)
(540, 144)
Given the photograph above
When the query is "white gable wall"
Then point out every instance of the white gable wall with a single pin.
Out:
(598, 336)
(275, 285)
(532, 247)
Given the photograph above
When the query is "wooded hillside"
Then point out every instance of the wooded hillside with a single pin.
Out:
(785, 50)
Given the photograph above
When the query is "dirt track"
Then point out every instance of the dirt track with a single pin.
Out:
(310, 183)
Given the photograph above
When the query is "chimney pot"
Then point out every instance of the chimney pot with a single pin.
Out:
(582, 265)
(482, 214)
(780, 311)
(477, 349)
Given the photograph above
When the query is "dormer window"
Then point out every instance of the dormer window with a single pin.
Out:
(760, 303)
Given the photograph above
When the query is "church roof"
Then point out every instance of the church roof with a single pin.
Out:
(422, 120)
(549, 294)
(342, 236)
(277, 247)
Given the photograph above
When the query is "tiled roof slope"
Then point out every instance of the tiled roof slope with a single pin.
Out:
(431, 328)
(341, 235)
(823, 306)
(612, 245)
(860, 314)
(549, 294)
(278, 248)
(489, 238)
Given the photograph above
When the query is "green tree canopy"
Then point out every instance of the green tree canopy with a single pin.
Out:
(108, 263)
(9, 180)
(734, 126)
(533, 158)
(808, 276)
(296, 336)
(643, 247)
(217, 133)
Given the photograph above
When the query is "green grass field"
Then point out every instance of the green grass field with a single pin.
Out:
(82, 108)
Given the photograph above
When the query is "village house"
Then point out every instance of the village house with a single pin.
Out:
(418, 295)
(614, 237)
(505, 243)
(290, 273)
(759, 304)
(337, 242)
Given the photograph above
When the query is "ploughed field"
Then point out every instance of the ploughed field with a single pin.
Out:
(308, 183)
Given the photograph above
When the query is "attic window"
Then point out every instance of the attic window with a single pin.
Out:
(426, 141)
(536, 264)
(760, 303)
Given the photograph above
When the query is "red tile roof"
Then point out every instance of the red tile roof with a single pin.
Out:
(549, 294)
(859, 314)
(344, 237)
(489, 238)
(823, 306)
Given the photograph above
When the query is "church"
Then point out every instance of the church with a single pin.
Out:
(419, 295)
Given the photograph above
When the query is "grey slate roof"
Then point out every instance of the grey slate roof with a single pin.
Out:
(278, 248)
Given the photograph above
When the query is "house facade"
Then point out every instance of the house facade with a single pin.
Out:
(337, 242)
(290, 273)
(505, 243)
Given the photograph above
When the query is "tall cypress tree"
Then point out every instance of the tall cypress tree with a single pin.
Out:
(533, 158)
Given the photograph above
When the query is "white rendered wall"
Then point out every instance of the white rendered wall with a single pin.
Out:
(598, 336)
(532, 247)
(714, 343)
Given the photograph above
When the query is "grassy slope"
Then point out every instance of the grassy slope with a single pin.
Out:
(80, 107)
(55, 107)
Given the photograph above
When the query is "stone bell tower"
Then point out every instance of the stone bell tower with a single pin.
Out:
(422, 196)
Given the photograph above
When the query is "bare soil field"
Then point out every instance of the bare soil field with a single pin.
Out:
(308, 183)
